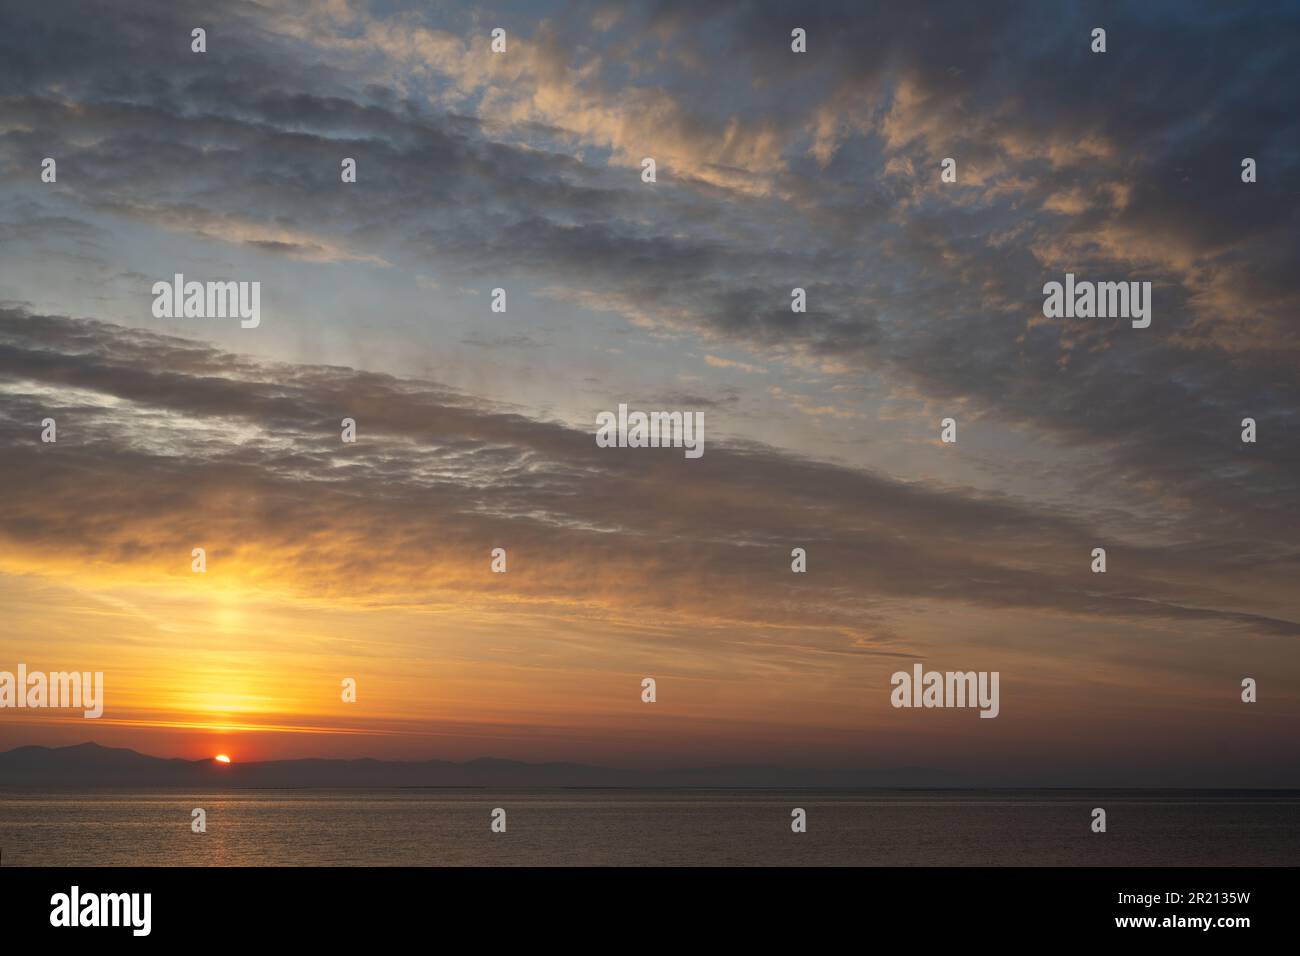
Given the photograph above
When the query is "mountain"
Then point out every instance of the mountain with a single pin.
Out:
(92, 766)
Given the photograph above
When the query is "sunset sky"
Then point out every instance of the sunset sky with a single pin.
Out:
(475, 429)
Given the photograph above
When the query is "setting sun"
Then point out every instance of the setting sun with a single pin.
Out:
(221, 758)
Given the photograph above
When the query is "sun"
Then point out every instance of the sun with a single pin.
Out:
(221, 758)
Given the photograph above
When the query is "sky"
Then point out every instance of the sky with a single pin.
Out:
(775, 170)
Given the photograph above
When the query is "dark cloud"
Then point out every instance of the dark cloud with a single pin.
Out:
(163, 441)
(1122, 166)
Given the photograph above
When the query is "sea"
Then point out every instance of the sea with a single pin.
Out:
(580, 827)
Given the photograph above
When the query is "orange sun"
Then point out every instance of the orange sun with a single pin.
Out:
(221, 758)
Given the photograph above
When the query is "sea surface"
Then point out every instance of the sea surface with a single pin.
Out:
(418, 827)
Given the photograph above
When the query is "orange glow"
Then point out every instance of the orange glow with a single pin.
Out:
(221, 758)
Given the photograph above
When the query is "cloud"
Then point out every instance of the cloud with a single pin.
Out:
(471, 165)
(717, 362)
(166, 444)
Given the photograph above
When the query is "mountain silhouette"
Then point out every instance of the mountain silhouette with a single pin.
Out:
(89, 765)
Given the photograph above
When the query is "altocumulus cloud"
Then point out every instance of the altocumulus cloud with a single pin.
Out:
(525, 165)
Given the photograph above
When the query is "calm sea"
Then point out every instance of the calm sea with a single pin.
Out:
(630, 827)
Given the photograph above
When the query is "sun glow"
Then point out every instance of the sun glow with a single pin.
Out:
(221, 758)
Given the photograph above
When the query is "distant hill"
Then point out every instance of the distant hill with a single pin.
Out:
(92, 766)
